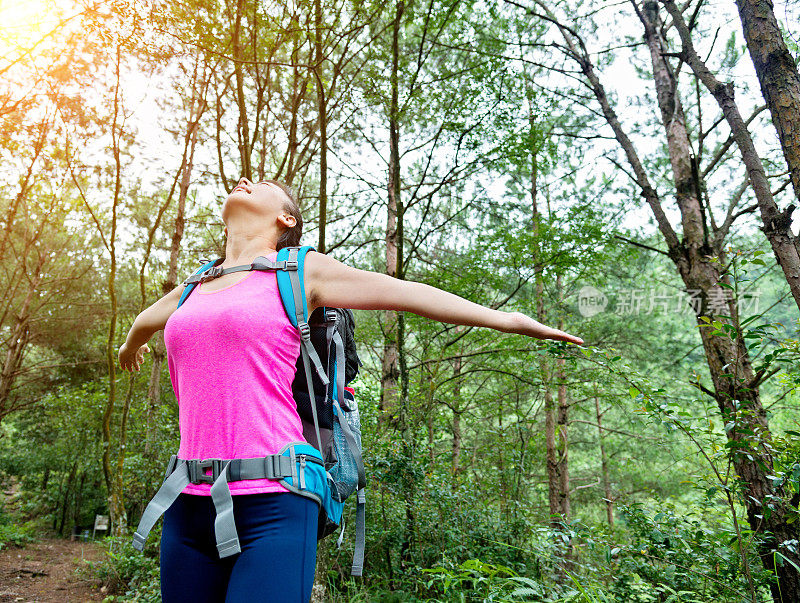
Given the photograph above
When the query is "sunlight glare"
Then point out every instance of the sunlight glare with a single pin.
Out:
(23, 24)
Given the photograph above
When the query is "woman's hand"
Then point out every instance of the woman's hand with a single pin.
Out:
(131, 360)
(152, 319)
(525, 325)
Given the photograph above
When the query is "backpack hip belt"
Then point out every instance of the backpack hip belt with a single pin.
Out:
(298, 467)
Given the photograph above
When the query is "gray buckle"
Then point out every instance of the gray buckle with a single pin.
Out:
(291, 265)
(272, 467)
(215, 272)
(197, 470)
(305, 331)
(330, 315)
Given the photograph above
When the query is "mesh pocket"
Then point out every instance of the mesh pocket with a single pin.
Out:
(345, 472)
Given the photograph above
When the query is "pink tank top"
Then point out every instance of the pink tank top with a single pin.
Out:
(232, 355)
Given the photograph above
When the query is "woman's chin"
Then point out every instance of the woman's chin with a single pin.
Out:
(239, 195)
(236, 201)
(242, 210)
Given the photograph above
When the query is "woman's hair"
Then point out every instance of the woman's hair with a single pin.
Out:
(291, 237)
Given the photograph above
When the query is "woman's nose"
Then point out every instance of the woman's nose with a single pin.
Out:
(244, 180)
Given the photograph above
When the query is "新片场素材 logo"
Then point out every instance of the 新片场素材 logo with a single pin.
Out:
(591, 301)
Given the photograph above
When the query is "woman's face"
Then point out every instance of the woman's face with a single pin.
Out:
(260, 198)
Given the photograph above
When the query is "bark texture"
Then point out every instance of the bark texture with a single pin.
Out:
(322, 110)
(776, 223)
(609, 496)
(778, 77)
(390, 371)
(116, 500)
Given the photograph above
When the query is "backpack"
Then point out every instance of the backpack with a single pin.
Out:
(328, 467)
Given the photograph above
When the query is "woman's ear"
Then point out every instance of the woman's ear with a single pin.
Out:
(287, 220)
(225, 231)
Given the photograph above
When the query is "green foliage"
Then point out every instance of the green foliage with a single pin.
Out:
(17, 535)
(687, 557)
(474, 580)
(128, 574)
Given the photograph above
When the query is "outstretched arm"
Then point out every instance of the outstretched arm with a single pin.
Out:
(152, 319)
(328, 282)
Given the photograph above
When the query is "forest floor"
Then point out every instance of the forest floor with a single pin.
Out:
(46, 571)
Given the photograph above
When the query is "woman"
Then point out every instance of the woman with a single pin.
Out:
(232, 354)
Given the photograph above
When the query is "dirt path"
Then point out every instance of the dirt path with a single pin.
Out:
(45, 571)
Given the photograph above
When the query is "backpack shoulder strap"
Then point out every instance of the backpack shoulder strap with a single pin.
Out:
(188, 288)
(291, 283)
(293, 295)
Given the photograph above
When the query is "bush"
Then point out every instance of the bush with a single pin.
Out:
(128, 574)
(16, 534)
(475, 580)
(676, 556)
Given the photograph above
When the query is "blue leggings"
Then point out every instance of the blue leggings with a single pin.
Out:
(278, 536)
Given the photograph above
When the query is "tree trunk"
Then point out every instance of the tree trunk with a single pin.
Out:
(555, 428)
(116, 503)
(778, 77)
(551, 449)
(562, 449)
(119, 512)
(66, 496)
(158, 354)
(322, 111)
(562, 421)
(300, 84)
(389, 363)
(735, 386)
(776, 223)
(76, 507)
(457, 412)
(245, 149)
(609, 497)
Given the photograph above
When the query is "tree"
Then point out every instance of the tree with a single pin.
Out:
(778, 76)
(735, 383)
(777, 223)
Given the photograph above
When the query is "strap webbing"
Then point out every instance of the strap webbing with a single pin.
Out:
(300, 312)
(260, 263)
(166, 495)
(330, 330)
(307, 351)
(224, 524)
(274, 466)
(340, 366)
(361, 534)
(188, 288)
(312, 397)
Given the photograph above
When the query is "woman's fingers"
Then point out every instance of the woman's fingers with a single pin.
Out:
(559, 335)
(140, 356)
(525, 325)
(564, 336)
(132, 362)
